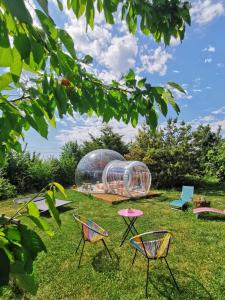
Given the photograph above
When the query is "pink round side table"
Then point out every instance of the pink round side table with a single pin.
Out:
(129, 216)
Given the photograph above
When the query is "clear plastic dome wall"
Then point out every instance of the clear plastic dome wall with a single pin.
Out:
(127, 178)
(88, 175)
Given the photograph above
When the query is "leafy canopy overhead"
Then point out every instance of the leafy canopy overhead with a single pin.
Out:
(58, 81)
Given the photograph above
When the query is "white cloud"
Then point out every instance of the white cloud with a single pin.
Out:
(197, 90)
(176, 71)
(120, 55)
(220, 111)
(82, 126)
(208, 118)
(155, 61)
(209, 49)
(208, 60)
(114, 50)
(214, 123)
(91, 42)
(174, 42)
(204, 11)
(178, 95)
(220, 65)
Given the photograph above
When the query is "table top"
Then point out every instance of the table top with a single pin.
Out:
(130, 212)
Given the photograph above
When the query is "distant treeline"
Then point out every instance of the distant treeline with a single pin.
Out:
(176, 154)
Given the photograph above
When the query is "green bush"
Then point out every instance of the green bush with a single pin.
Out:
(216, 165)
(40, 174)
(16, 170)
(69, 158)
(7, 190)
(175, 154)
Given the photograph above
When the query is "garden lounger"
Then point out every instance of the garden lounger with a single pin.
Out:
(40, 202)
(186, 196)
(198, 211)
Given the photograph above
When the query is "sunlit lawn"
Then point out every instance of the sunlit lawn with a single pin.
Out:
(197, 253)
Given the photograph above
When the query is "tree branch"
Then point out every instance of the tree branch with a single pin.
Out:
(21, 98)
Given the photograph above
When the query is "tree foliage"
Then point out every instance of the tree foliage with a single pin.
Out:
(216, 161)
(60, 84)
(68, 160)
(108, 139)
(58, 81)
(20, 245)
(175, 152)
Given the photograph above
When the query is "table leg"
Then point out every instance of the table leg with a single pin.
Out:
(129, 228)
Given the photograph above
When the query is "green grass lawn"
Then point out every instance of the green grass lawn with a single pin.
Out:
(196, 256)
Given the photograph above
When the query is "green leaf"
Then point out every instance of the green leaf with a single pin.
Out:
(4, 267)
(141, 82)
(60, 188)
(50, 200)
(44, 5)
(68, 42)
(60, 5)
(158, 93)
(134, 118)
(19, 10)
(90, 13)
(47, 23)
(33, 210)
(22, 44)
(171, 100)
(42, 224)
(153, 118)
(87, 59)
(5, 50)
(32, 245)
(130, 75)
(5, 80)
(61, 100)
(78, 7)
(176, 86)
(16, 66)
(24, 281)
(4, 243)
(13, 234)
(108, 17)
(51, 121)
(42, 126)
(99, 5)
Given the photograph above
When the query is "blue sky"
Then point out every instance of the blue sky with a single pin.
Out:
(198, 64)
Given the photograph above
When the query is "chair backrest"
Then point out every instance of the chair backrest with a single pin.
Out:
(89, 227)
(156, 244)
(187, 193)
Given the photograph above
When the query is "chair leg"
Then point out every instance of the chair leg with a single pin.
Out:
(172, 275)
(79, 245)
(107, 249)
(146, 287)
(134, 257)
(81, 254)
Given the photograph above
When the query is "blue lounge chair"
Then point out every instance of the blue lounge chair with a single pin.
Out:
(186, 196)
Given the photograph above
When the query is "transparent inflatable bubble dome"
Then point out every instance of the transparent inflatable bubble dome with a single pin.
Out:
(127, 178)
(106, 171)
(88, 175)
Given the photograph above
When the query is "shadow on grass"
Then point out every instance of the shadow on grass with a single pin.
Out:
(212, 188)
(190, 287)
(206, 217)
(103, 263)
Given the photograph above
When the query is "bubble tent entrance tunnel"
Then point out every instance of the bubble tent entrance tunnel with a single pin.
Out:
(106, 171)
